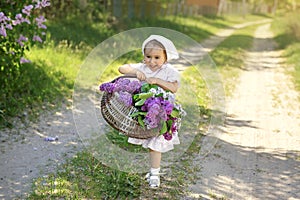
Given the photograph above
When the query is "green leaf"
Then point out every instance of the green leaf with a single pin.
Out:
(145, 87)
(135, 97)
(145, 95)
(174, 113)
(169, 123)
(140, 102)
(138, 113)
(152, 86)
(141, 122)
(164, 128)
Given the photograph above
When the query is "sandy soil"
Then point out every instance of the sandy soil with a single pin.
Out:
(257, 154)
(25, 154)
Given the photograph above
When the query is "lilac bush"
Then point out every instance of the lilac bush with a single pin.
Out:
(21, 25)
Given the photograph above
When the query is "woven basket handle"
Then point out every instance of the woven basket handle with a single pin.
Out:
(124, 76)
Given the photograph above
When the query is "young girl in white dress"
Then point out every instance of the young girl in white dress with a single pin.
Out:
(155, 69)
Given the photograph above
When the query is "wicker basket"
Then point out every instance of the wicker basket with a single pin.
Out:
(117, 115)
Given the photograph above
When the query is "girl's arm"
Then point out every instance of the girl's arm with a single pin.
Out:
(127, 69)
(171, 86)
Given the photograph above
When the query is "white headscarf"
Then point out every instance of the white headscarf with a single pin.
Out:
(168, 44)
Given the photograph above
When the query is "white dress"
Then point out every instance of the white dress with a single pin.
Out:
(168, 73)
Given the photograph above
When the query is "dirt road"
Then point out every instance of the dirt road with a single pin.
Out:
(257, 154)
(25, 155)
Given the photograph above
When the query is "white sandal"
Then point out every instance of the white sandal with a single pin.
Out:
(154, 181)
(147, 176)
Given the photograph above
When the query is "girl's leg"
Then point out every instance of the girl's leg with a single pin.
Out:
(153, 176)
(155, 158)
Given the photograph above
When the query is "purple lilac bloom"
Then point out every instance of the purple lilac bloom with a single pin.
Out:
(135, 86)
(163, 115)
(37, 38)
(167, 136)
(125, 98)
(126, 85)
(9, 26)
(27, 9)
(42, 4)
(40, 20)
(22, 39)
(107, 87)
(24, 60)
(168, 107)
(120, 84)
(152, 116)
(18, 19)
(174, 127)
(3, 18)
(3, 31)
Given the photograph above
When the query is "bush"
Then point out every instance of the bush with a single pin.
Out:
(293, 25)
(21, 25)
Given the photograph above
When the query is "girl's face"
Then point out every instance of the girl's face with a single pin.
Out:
(154, 58)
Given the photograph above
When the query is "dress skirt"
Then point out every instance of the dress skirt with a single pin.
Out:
(158, 143)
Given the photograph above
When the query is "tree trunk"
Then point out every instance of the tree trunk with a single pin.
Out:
(117, 8)
(274, 7)
(130, 4)
(244, 8)
(221, 6)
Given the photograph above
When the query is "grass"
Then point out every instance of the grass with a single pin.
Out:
(84, 177)
(293, 59)
(229, 56)
(287, 32)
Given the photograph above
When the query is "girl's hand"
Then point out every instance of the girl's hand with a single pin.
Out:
(140, 75)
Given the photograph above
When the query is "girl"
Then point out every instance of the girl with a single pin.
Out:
(155, 69)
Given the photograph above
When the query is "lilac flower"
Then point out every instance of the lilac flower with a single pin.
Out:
(153, 116)
(134, 86)
(107, 87)
(3, 31)
(40, 20)
(120, 84)
(163, 115)
(42, 4)
(37, 38)
(27, 9)
(125, 98)
(26, 20)
(22, 39)
(18, 19)
(168, 107)
(167, 136)
(3, 18)
(174, 127)
(9, 26)
(24, 60)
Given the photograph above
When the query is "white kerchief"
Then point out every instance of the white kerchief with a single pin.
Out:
(168, 44)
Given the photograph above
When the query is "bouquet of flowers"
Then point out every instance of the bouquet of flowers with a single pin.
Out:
(156, 108)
